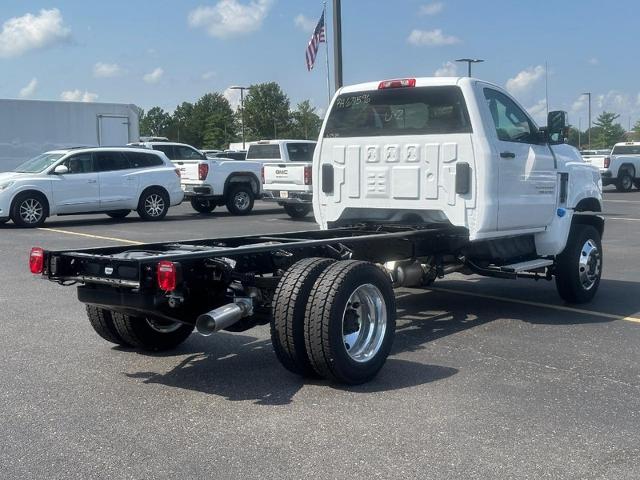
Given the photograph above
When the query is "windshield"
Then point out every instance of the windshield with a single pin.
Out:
(39, 163)
(626, 150)
(399, 111)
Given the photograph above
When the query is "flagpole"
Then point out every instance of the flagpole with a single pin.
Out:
(326, 42)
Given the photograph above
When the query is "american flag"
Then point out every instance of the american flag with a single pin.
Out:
(316, 39)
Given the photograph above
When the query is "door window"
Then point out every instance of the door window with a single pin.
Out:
(80, 163)
(186, 153)
(109, 161)
(512, 124)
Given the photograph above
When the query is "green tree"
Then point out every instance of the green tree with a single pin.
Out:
(636, 131)
(182, 127)
(212, 122)
(155, 122)
(266, 112)
(305, 122)
(609, 132)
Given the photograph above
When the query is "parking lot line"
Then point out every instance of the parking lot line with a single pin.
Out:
(88, 235)
(623, 218)
(611, 316)
(622, 201)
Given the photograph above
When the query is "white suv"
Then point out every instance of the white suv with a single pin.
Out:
(106, 180)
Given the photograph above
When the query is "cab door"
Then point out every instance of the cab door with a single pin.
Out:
(526, 167)
(76, 191)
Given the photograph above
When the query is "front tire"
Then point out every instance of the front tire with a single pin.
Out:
(240, 200)
(624, 182)
(350, 322)
(297, 210)
(579, 267)
(149, 334)
(287, 319)
(29, 210)
(153, 204)
(102, 322)
(202, 206)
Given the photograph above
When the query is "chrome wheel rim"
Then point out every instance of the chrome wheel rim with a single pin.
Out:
(154, 205)
(589, 265)
(364, 323)
(31, 210)
(163, 326)
(242, 200)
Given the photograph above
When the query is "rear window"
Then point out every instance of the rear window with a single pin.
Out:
(399, 111)
(271, 152)
(626, 150)
(301, 152)
(109, 161)
(143, 160)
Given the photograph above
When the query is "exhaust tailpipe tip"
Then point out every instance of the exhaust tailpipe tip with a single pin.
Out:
(224, 317)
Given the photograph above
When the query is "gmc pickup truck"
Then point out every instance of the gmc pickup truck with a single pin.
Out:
(415, 178)
(620, 167)
(290, 185)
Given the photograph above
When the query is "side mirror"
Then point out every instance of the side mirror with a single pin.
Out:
(61, 170)
(557, 126)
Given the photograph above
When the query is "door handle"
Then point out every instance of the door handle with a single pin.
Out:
(507, 155)
(92, 181)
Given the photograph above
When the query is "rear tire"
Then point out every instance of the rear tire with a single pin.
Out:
(150, 334)
(350, 322)
(297, 210)
(29, 209)
(579, 267)
(240, 199)
(117, 214)
(624, 182)
(153, 204)
(102, 322)
(202, 206)
(287, 319)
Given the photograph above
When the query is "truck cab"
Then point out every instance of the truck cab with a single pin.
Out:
(456, 151)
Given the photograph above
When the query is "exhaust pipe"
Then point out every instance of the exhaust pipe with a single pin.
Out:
(223, 317)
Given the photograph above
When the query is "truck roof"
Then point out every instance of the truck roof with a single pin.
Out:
(419, 82)
(633, 144)
(280, 141)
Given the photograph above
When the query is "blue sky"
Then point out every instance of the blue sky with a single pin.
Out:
(163, 52)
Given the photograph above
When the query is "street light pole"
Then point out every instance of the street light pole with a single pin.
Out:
(469, 61)
(242, 89)
(589, 131)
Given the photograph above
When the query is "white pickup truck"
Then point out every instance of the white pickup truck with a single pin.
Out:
(290, 185)
(620, 167)
(415, 178)
(208, 182)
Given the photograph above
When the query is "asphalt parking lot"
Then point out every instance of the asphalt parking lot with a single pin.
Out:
(487, 379)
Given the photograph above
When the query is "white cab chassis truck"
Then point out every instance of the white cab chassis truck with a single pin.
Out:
(416, 178)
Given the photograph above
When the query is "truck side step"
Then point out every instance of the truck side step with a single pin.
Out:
(527, 266)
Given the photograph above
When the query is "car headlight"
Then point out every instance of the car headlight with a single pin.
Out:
(5, 185)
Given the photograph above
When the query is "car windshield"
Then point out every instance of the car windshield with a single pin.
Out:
(39, 163)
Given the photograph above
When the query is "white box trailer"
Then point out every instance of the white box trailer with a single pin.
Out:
(30, 127)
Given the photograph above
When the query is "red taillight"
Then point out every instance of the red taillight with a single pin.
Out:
(307, 175)
(398, 83)
(177, 170)
(203, 171)
(607, 162)
(167, 273)
(36, 260)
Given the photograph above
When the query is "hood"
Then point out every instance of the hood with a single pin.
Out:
(6, 176)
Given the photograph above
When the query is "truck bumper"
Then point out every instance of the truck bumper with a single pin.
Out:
(292, 197)
(199, 190)
(607, 177)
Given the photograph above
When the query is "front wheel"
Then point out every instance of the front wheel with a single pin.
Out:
(153, 204)
(625, 182)
(297, 210)
(202, 206)
(350, 322)
(579, 266)
(150, 334)
(240, 200)
(29, 210)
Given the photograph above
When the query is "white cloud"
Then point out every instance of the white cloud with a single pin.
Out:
(30, 32)
(78, 95)
(304, 23)
(431, 8)
(106, 70)
(29, 89)
(579, 104)
(524, 80)
(208, 75)
(431, 38)
(233, 96)
(593, 61)
(154, 76)
(229, 18)
(448, 69)
(539, 111)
